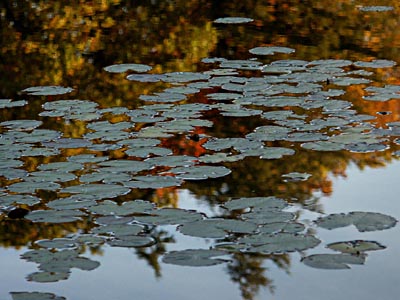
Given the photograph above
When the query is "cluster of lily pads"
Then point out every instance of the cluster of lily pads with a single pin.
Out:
(282, 93)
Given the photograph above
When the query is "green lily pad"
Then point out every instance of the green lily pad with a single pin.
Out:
(153, 182)
(270, 50)
(376, 63)
(270, 152)
(72, 202)
(31, 187)
(119, 230)
(355, 247)
(289, 227)
(64, 166)
(296, 176)
(8, 103)
(233, 20)
(265, 216)
(200, 172)
(132, 241)
(194, 257)
(35, 296)
(7, 200)
(364, 221)
(216, 228)
(171, 216)
(101, 191)
(57, 243)
(124, 165)
(55, 216)
(106, 177)
(60, 261)
(376, 8)
(47, 276)
(172, 161)
(265, 203)
(122, 68)
(333, 261)
(22, 125)
(47, 90)
(109, 207)
(279, 242)
(50, 176)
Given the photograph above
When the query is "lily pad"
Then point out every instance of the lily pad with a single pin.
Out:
(376, 63)
(200, 172)
(216, 228)
(57, 243)
(47, 276)
(364, 221)
(101, 191)
(121, 68)
(8, 103)
(47, 90)
(333, 261)
(35, 296)
(132, 241)
(270, 50)
(279, 242)
(194, 257)
(376, 8)
(153, 182)
(265, 203)
(171, 216)
(55, 216)
(296, 176)
(355, 247)
(109, 207)
(233, 20)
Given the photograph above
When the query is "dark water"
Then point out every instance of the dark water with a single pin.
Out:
(321, 110)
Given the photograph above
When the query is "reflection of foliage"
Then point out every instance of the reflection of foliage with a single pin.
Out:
(247, 271)
(152, 254)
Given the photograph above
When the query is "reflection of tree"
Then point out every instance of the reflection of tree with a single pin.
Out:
(247, 271)
(153, 253)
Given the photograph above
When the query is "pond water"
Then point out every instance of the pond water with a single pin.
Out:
(199, 149)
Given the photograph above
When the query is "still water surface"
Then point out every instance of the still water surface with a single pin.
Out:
(322, 110)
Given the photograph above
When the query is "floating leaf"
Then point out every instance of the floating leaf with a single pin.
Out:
(265, 203)
(153, 182)
(34, 296)
(55, 216)
(109, 207)
(200, 172)
(296, 176)
(279, 242)
(57, 243)
(32, 187)
(8, 103)
(364, 221)
(376, 63)
(171, 216)
(216, 228)
(376, 8)
(194, 257)
(290, 227)
(118, 229)
(233, 20)
(333, 261)
(101, 191)
(7, 200)
(21, 124)
(270, 50)
(132, 241)
(121, 68)
(355, 247)
(47, 276)
(47, 90)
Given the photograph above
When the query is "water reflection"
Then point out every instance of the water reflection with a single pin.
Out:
(235, 126)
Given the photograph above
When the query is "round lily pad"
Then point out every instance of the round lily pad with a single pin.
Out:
(270, 50)
(194, 257)
(356, 247)
(35, 296)
(333, 261)
(233, 20)
(47, 90)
